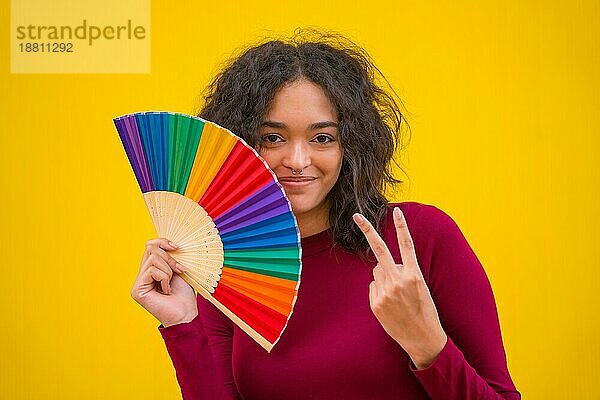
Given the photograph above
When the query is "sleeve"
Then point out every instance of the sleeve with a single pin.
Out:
(472, 364)
(201, 354)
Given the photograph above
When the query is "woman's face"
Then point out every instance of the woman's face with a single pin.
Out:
(300, 133)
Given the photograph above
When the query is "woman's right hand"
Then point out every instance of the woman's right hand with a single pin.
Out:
(161, 291)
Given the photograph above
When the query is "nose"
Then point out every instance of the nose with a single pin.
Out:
(298, 157)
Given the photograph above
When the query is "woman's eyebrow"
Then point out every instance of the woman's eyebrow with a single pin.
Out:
(312, 127)
(273, 124)
(322, 124)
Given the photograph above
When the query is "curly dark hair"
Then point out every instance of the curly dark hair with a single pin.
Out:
(370, 120)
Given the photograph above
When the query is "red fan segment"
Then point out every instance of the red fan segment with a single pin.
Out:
(263, 320)
(241, 175)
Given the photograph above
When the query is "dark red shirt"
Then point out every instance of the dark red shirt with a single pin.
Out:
(335, 348)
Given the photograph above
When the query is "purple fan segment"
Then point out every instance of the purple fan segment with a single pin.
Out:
(265, 203)
(130, 137)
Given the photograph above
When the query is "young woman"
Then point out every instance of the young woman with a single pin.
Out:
(393, 303)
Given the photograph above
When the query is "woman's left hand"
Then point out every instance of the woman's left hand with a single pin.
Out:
(399, 296)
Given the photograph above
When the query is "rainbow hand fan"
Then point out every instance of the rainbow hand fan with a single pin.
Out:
(212, 194)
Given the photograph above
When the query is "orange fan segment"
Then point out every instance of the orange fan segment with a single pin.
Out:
(275, 293)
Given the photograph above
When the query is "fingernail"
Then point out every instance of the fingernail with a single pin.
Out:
(397, 211)
(358, 218)
(181, 267)
(173, 245)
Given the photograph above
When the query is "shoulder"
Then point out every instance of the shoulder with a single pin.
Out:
(440, 246)
(431, 228)
(422, 219)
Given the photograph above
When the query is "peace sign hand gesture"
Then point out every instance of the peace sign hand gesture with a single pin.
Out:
(399, 296)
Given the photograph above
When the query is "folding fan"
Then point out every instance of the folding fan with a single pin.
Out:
(211, 194)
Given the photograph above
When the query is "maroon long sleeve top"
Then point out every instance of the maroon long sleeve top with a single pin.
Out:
(335, 348)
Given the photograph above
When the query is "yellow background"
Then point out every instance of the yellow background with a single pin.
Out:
(503, 101)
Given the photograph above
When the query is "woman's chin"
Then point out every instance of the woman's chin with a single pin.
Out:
(302, 207)
(298, 207)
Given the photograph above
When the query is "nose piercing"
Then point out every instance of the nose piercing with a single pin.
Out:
(294, 172)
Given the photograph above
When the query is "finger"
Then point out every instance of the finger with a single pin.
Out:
(157, 244)
(379, 273)
(405, 242)
(380, 249)
(175, 266)
(158, 262)
(164, 279)
(164, 243)
(155, 249)
(372, 293)
(147, 251)
(160, 276)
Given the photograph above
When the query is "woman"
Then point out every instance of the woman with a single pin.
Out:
(416, 321)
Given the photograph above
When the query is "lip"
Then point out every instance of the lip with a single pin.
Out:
(296, 181)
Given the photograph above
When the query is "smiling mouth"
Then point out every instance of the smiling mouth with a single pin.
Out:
(298, 182)
(297, 179)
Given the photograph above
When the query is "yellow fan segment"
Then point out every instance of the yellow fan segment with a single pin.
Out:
(189, 226)
(214, 147)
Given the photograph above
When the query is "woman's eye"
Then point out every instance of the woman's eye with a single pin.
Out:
(271, 138)
(323, 139)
